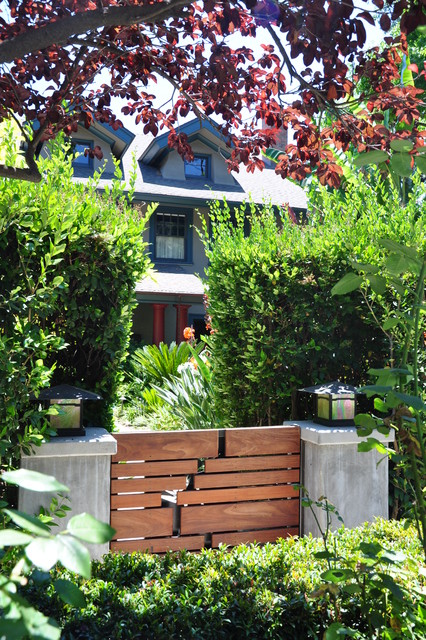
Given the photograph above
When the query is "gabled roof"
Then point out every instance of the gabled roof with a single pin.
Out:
(151, 185)
(118, 139)
(158, 147)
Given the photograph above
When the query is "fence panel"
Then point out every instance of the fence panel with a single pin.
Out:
(194, 489)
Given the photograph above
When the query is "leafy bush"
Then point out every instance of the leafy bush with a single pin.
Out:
(276, 325)
(26, 542)
(165, 390)
(69, 261)
(247, 592)
(189, 395)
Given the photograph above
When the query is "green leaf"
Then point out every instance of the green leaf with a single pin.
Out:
(363, 266)
(365, 420)
(74, 556)
(28, 522)
(395, 247)
(378, 284)
(12, 537)
(412, 401)
(380, 405)
(402, 146)
(420, 163)
(87, 528)
(390, 323)
(337, 575)
(273, 154)
(375, 389)
(373, 443)
(401, 164)
(348, 283)
(33, 480)
(70, 593)
(43, 552)
(370, 157)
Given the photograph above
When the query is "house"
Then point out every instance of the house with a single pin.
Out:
(173, 298)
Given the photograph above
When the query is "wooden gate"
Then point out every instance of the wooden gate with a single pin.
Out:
(193, 489)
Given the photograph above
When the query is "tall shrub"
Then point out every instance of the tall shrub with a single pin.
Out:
(69, 260)
(276, 325)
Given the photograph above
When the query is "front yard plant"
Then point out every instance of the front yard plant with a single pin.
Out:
(69, 261)
(262, 593)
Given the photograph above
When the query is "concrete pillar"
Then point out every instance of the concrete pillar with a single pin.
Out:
(356, 483)
(158, 323)
(83, 464)
(181, 320)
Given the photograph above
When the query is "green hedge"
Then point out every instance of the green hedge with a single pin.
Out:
(69, 260)
(276, 325)
(247, 592)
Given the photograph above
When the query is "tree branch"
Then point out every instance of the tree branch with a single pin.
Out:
(58, 33)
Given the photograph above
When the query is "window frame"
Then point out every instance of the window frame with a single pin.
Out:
(201, 156)
(188, 213)
(82, 168)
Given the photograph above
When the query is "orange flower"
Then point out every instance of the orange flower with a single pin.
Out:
(188, 333)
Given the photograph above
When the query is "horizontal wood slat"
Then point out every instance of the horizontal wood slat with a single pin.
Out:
(239, 516)
(159, 545)
(171, 445)
(245, 537)
(241, 494)
(148, 484)
(216, 480)
(142, 523)
(131, 469)
(258, 463)
(135, 500)
(262, 440)
(160, 501)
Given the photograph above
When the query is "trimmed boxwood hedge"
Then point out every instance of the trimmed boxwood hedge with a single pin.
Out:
(245, 592)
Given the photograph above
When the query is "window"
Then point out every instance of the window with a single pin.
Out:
(172, 236)
(198, 168)
(83, 164)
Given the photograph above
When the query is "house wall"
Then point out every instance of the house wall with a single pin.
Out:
(82, 135)
(143, 317)
(199, 261)
(173, 167)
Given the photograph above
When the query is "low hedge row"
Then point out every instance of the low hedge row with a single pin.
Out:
(247, 592)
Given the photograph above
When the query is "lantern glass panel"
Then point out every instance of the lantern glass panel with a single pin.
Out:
(68, 416)
(323, 407)
(343, 407)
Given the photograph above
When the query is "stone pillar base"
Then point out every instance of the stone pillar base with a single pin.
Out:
(356, 483)
(83, 464)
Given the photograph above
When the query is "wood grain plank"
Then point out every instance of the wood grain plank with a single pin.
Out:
(216, 480)
(142, 523)
(131, 469)
(245, 537)
(239, 516)
(240, 494)
(257, 463)
(262, 440)
(158, 545)
(173, 445)
(129, 500)
(148, 484)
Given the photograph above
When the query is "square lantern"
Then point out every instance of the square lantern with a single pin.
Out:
(69, 402)
(334, 403)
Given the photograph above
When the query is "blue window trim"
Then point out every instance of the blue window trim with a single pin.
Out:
(203, 156)
(188, 213)
(82, 170)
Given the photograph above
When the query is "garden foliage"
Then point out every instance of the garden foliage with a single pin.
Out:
(27, 543)
(69, 260)
(271, 592)
(276, 325)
